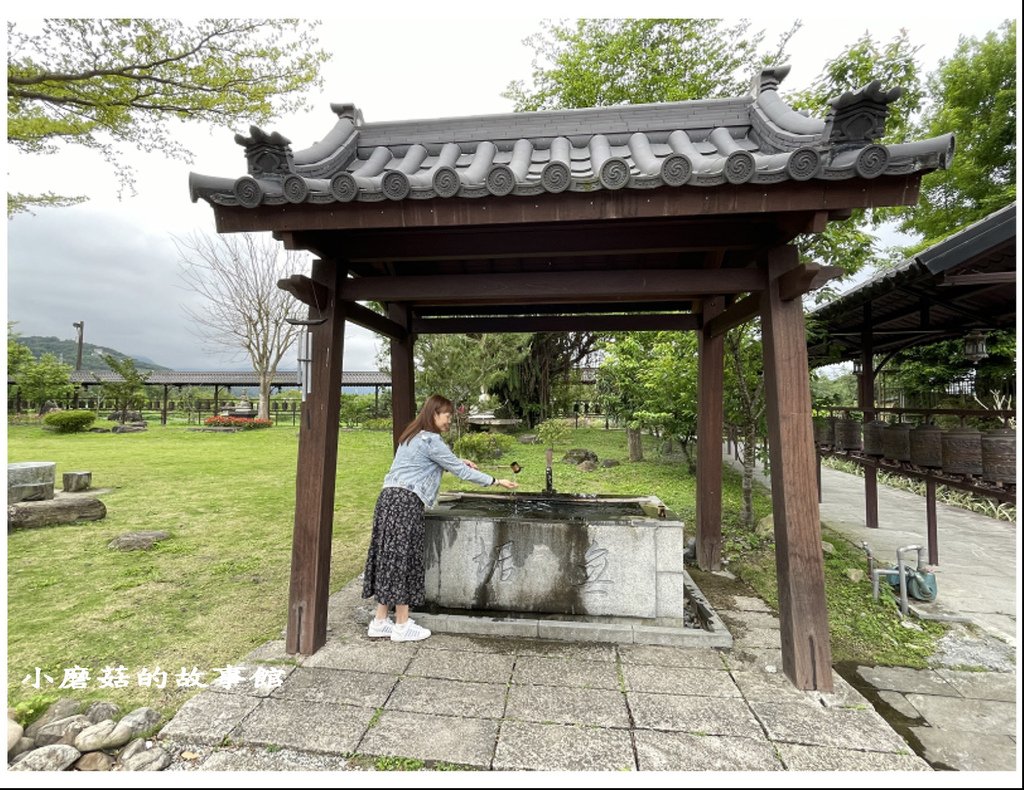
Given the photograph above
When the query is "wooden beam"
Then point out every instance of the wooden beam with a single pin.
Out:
(306, 291)
(727, 199)
(803, 615)
(804, 278)
(735, 314)
(554, 241)
(369, 319)
(583, 308)
(552, 287)
(979, 278)
(315, 475)
(556, 323)
(710, 362)
(403, 373)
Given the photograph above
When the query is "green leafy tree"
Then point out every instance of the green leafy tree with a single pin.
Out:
(128, 392)
(849, 244)
(529, 386)
(43, 380)
(974, 94)
(104, 83)
(602, 62)
(18, 354)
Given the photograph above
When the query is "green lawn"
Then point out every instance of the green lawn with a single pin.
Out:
(218, 587)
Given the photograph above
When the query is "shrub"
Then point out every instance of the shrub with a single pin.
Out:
(480, 447)
(70, 421)
(377, 424)
(245, 423)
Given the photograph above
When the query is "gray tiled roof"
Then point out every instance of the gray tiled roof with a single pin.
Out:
(754, 139)
(230, 378)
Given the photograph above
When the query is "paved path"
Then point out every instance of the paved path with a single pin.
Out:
(524, 704)
(963, 720)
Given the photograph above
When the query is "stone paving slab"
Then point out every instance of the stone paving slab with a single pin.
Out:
(797, 757)
(708, 716)
(899, 703)
(977, 753)
(678, 751)
(311, 726)
(448, 697)
(770, 638)
(344, 686)
(763, 687)
(273, 650)
(989, 717)
(862, 730)
(458, 665)
(755, 658)
(208, 717)
(538, 670)
(699, 658)
(665, 680)
(750, 619)
(552, 704)
(982, 685)
(906, 680)
(586, 651)
(749, 604)
(365, 655)
(562, 747)
(471, 644)
(250, 758)
(430, 737)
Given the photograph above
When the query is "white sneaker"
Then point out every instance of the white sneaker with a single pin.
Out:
(379, 628)
(408, 632)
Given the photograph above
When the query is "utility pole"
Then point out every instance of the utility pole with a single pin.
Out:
(80, 326)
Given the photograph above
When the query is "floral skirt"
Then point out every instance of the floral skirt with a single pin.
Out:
(394, 572)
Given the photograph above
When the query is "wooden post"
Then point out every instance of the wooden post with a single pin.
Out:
(866, 395)
(806, 652)
(315, 475)
(403, 378)
(163, 411)
(710, 361)
(933, 522)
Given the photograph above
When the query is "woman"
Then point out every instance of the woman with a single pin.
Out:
(394, 572)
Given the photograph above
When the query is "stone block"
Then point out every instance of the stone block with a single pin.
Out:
(29, 481)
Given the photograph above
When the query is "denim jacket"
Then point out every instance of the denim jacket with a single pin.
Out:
(421, 460)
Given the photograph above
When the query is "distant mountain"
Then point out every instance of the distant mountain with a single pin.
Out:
(67, 351)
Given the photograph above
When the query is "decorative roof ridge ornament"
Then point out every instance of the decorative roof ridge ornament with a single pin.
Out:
(349, 112)
(769, 78)
(266, 154)
(857, 117)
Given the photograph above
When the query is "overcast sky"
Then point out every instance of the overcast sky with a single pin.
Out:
(112, 263)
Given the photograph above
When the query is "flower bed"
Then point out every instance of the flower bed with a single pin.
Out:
(244, 423)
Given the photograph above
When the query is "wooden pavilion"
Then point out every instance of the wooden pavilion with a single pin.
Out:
(646, 217)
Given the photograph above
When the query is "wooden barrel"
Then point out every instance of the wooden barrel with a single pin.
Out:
(823, 431)
(873, 437)
(847, 434)
(999, 455)
(896, 442)
(926, 446)
(961, 451)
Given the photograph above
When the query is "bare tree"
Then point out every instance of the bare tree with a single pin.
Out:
(237, 277)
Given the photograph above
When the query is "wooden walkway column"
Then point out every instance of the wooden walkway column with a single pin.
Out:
(806, 652)
(316, 471)
(866, 398)
(710, 360)
(403, 377)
